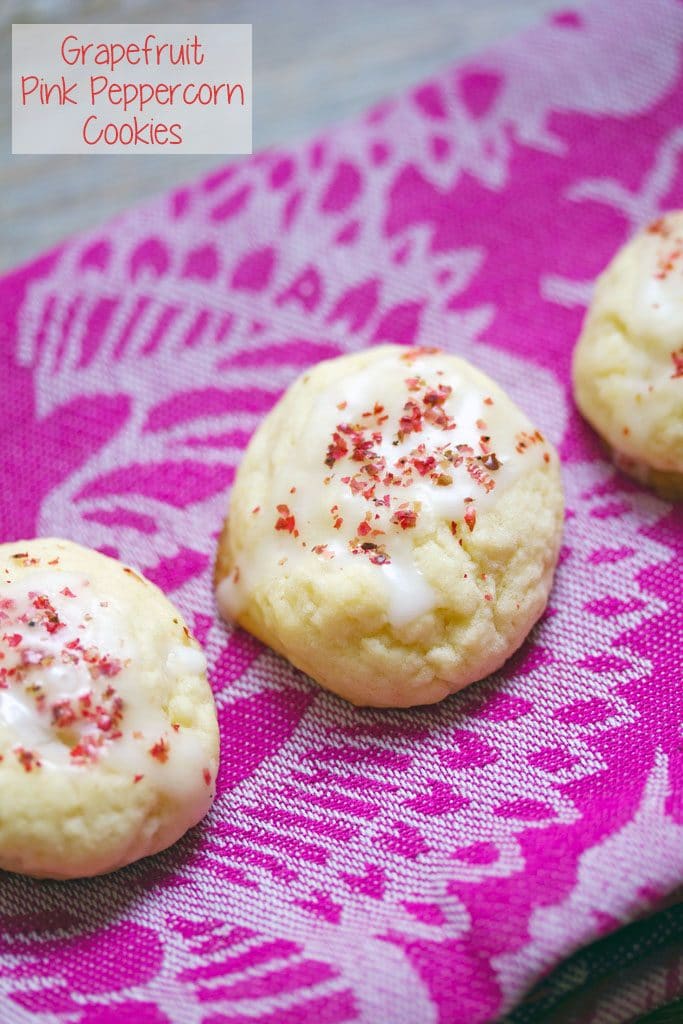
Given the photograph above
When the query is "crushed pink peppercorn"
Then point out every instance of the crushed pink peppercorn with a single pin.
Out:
(406, 518)
(357, 455)
(361, 443)
(160, 750)
(28, 759)
(94, 715)
(286, 520)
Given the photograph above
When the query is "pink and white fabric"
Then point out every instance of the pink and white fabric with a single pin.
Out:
(424, 866)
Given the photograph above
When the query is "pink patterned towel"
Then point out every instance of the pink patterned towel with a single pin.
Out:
(381, 867)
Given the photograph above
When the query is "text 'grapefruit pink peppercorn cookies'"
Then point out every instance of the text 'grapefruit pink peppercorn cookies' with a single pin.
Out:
(108, 733)
(628, 363)
(393, 528)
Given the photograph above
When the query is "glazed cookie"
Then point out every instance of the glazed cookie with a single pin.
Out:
(628, 363)
(108, 734)
(393, 528)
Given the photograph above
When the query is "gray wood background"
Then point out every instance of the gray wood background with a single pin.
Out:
(315, 62)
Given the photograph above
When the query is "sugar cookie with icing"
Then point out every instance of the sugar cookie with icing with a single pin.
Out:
(108, 734)
(628, 363)
(393, 527)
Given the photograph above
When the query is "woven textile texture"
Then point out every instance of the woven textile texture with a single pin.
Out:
(422, 867)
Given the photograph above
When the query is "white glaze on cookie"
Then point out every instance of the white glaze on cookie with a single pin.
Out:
(628, 362)
(69, 693)
(657, 298)
(399, 447)
(108, 734)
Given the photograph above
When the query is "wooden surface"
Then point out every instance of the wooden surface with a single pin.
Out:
(315, 62)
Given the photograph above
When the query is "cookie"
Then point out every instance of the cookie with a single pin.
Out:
(108, 733)
(393, 527)
(628, 363)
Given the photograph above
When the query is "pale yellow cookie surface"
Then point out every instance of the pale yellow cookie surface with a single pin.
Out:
(393, 528)
(628, 363)
(108, 733)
